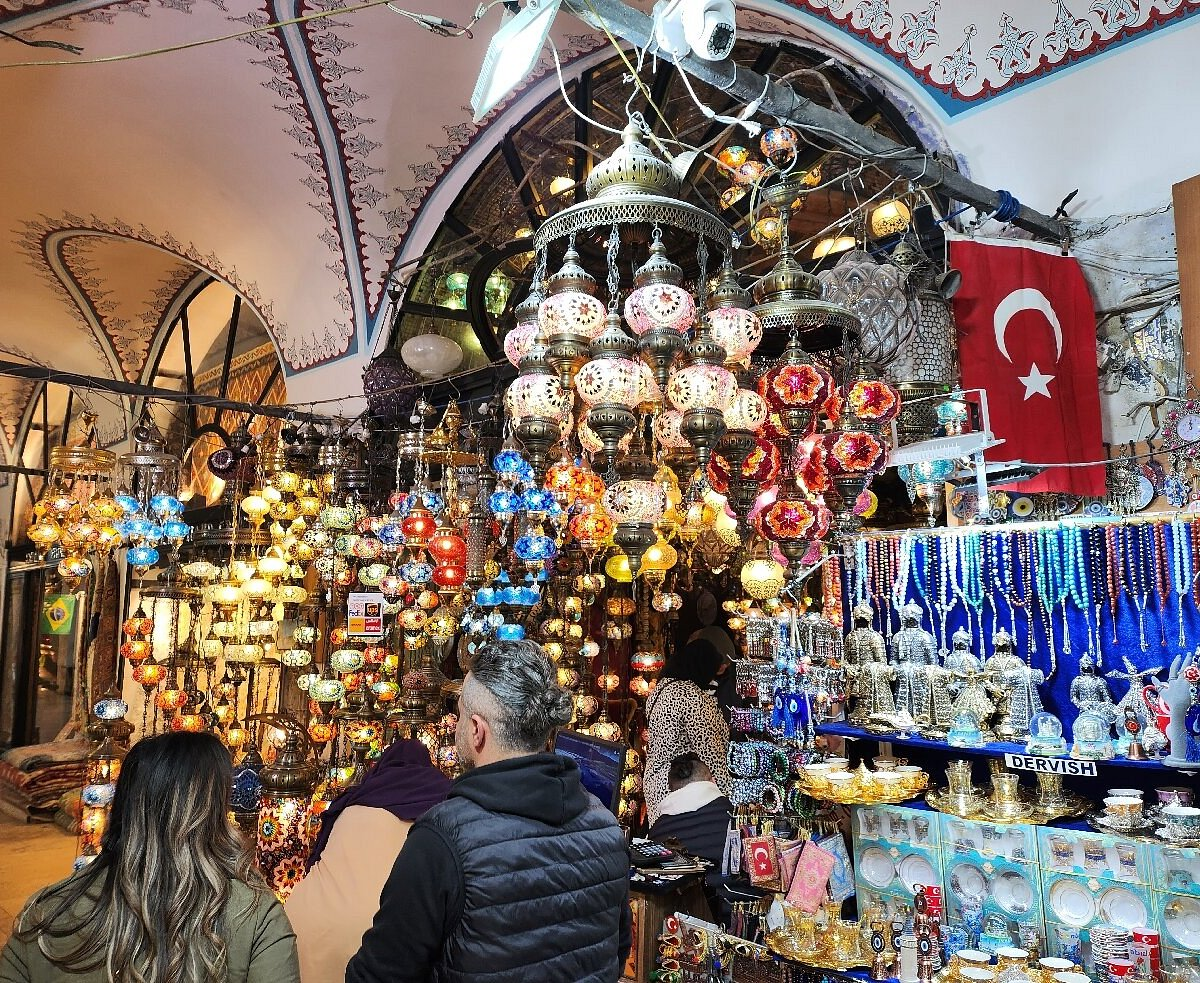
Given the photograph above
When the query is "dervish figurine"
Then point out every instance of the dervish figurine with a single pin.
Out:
(960, 659)
(975, 697)
(863, 643)
(1016, 683)
(1091, 692)
(913, 650)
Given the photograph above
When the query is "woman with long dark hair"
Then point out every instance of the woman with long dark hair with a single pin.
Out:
(361, 836)
(682, 716)
(173, 896)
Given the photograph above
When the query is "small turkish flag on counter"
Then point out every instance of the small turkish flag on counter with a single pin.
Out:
(1027, 334)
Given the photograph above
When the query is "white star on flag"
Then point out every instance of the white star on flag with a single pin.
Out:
(1036, 382)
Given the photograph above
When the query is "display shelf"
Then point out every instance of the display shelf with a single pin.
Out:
(997, 749)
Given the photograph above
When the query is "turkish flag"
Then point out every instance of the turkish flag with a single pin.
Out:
(1027, 334)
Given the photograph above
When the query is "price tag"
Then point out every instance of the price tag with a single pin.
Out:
(1051, 766)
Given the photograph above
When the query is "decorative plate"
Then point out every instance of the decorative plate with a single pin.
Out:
(1145, 493)
(968, 881)
(1176, 492)
(1181, 920)
(1022, 506)
(1013, 892)
(1157, 474)
(1121, 906)
(915, 871)
(1097, 509)
(1073, 903)
(876, 867)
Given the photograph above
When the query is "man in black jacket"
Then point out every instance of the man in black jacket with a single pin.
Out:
(520, 875)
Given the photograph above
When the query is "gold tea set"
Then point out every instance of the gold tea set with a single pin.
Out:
(1011, 965)
(823, 940)
(1006, 801)
(893, 780)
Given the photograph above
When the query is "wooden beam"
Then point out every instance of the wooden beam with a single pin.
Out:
(782, 102)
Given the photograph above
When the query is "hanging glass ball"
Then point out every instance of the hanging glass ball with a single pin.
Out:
(873, 401)
(347, 660)
(610, 381)
(504, 504)
(660, 306)
(701, 387)
(667, 430)
(572, 312)
(779, 145)
(326, 690)
(110, 708)
(854, 452)
(746, 411)
(762, 578)
(535, 548)
(636, 500)
(737, 330)
(389, 388)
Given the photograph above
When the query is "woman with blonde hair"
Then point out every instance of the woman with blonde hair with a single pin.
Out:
(173, 896)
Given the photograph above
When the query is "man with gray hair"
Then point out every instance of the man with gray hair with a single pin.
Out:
(521, 874)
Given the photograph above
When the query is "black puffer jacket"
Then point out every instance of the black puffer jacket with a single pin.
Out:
(520, 875)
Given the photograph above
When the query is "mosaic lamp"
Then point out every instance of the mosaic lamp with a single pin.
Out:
(284, 833)
(570, 316)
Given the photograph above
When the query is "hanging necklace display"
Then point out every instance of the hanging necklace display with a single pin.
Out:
(1075, 553)
(1095, 577)
(861, 571)
(1159, 536)
(1139, 583)
(1023, 567)
(1180, 578)
(1116, 575)
(947, 590)
(1003, 572)
(922, 578)
(1051, 590)
(903, 572)
(971, 558)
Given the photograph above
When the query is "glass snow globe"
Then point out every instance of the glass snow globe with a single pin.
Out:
(1046, 735)
(965, 731)
(1092, 737)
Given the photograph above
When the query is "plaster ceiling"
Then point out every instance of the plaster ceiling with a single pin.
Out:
(291, 164)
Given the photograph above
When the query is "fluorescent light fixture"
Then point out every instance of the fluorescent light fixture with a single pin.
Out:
(512, 54)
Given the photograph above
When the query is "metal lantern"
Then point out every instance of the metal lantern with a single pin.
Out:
(701, 391)
(875, 293)
(519, 340)
(611, 386)
(538, 405)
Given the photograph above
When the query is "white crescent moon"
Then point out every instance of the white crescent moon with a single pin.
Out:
(1025, 299)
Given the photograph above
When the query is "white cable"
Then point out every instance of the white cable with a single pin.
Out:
(743, 120)
(562, 87)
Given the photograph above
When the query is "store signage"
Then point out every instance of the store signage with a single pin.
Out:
(364, 614)
(1051, 766)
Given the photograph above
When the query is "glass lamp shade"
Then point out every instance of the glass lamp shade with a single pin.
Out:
(618, 568)
(796, 387)
(535, 548)
(649, 391)
(326, 690)
(296, 658)
(272, 564)
(750, 172)
(256, 588)
(347, 660)
(833, 245)
(737, 330)
(247, 654)
(431, 356)
(854, 452)
(537, 395)
(667, 430)
(135, 649)
(660, 557)
(255, 506)
(779, 144)
(646, 660)
(760, 467)
(889, 219)
(733, 157)
(448, 547)
(519, 340)
(592, 527)
(572, 312)
(149, 674)
(636, 500)
(746, 411)
(418, 526)
(450, 576)
(873, 401)
(762, 578)
(789, 519)
(660, 306)
(701, 387)
(610, 381)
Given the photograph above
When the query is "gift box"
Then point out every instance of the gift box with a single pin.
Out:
(998, 901)
(896, 850)
(1016, 843)
(1089, 854)
(1177, 918)
(1176, 869)
(1074, 905)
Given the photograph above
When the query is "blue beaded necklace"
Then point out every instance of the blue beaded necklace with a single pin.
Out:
(1181, 579)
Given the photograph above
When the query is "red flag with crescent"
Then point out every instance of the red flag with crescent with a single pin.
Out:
(1027, 334)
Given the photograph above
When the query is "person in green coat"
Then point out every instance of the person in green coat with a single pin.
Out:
(173, 896)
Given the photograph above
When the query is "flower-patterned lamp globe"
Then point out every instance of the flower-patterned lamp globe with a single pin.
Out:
(570, 316)
(734, 326)
(658, 302)
(647, 661)
(762, 578)
(732, 158)
(702, 391)
(610, 384)
(636, 500)
(539, 405)
(796, 388)
(521, 338)
(853, 456)
(592, 528)
(794, 523)
(284, 833)
(875, 402)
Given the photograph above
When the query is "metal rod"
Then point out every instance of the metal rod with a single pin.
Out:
(782, 102)
(189, 374)
(119, 387)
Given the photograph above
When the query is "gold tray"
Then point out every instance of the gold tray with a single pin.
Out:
(854, 794)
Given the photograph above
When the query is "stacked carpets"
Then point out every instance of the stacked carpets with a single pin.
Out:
(33, 778)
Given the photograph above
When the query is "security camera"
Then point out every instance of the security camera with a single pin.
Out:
(706, 27)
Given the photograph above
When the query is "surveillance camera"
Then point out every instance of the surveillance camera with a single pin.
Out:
(706, 27)
(709, 28)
